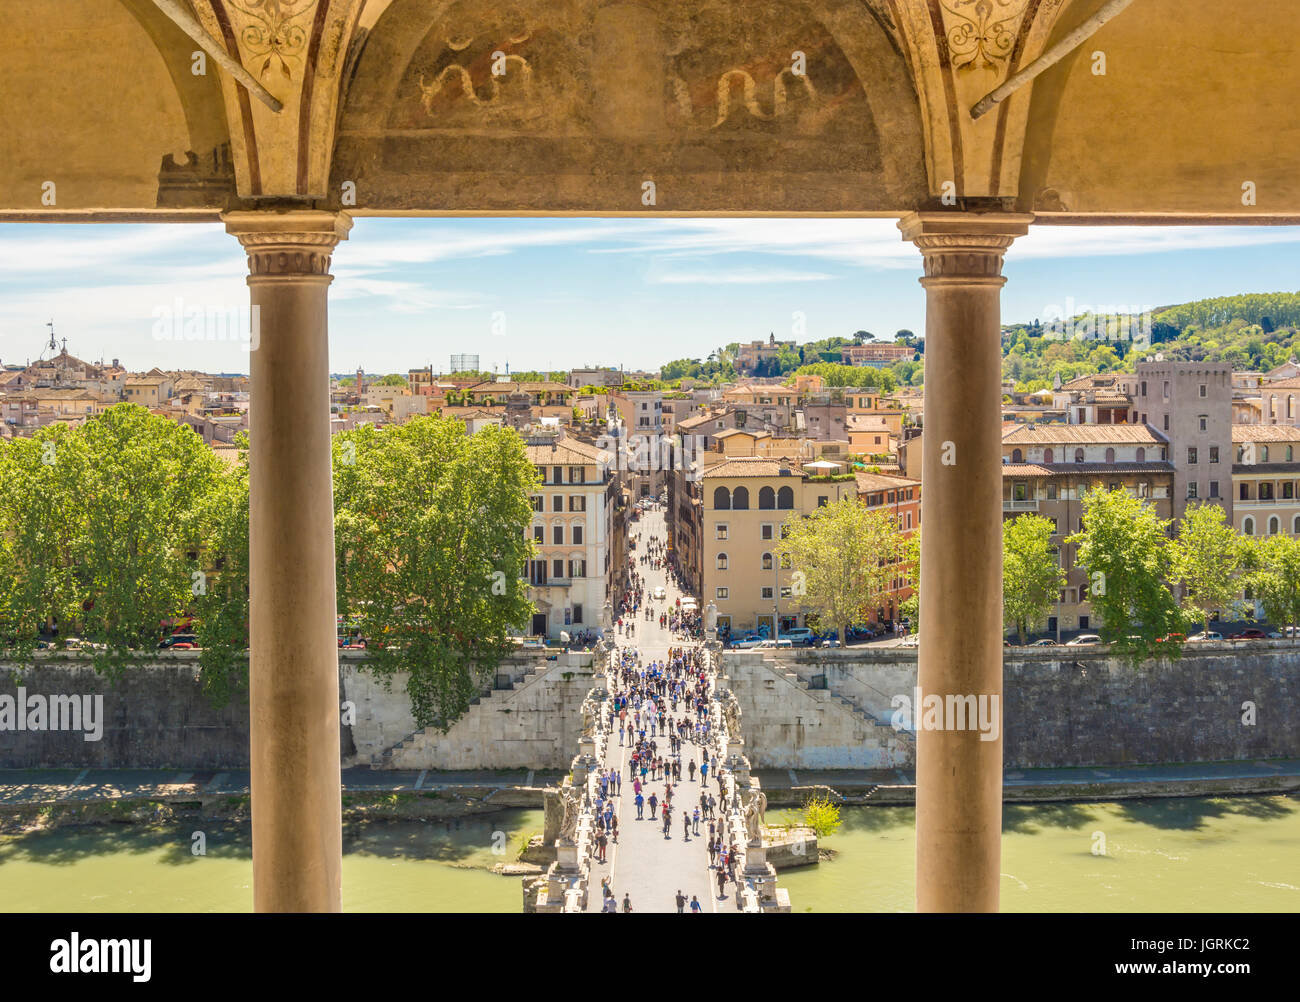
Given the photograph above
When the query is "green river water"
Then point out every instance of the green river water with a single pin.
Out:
(1197, 854)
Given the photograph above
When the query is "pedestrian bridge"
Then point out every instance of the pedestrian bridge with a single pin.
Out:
(652, 864)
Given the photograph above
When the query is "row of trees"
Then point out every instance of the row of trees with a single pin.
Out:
(1142, 582)
(115, 530)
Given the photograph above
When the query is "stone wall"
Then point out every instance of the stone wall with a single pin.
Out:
(156, 716)
(1062, 706)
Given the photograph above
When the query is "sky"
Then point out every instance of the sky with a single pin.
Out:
(560, 293)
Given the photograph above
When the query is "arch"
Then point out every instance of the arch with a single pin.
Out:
(1248, 526)
(1078, 455)
(1048, 455)
(740, 498)
(1274, 525)
(769, 562)
(1110, 455)
(1263, 453)
(1141, 454)
(785, 497)
(722, 498)
(721, 562)
(1017, 456)
(766, 498)
(1295, 526)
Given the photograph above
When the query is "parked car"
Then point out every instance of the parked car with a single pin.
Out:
(831, 642)
(659, 592)
(747, 644)
(1045, 642)
(1204, 637)
(1172, 638)
(799, 635)
(771, 645)
(1084, 640)
(1250, 634)
(179, 642)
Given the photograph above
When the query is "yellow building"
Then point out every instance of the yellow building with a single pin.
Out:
(745, 500)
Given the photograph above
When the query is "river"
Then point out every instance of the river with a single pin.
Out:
(1167, 855)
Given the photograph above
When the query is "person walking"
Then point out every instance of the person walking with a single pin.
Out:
(695, 905)
(627, 903)
(722, 883)
(691, 769)
(695, 820)
(601, 842)
(681, 903)
(686, 826)
(640, 807)
(654, 806)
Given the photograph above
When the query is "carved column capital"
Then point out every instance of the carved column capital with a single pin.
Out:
(297, 244)
(964, 247)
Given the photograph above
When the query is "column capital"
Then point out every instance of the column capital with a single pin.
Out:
(296, 243)
(964, 246)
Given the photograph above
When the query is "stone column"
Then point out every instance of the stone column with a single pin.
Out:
(293, 651)
(958, 775)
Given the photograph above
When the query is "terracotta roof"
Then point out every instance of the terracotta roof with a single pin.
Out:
(1064, 469)
(750, 466)
(566, 452)
(730, 432)
(1060, 434)
(1283, 384)
(880, 482)
(865, 422)
(1265, 433)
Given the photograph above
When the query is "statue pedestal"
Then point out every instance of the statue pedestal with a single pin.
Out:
(566, 856)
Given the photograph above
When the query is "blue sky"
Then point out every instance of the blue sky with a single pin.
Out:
(409, 292)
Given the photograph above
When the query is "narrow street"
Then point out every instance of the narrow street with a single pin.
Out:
(646, 864)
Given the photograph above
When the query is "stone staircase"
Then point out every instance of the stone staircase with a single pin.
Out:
(867, 719)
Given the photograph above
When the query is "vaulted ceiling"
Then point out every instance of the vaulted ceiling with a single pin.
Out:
(623, 106)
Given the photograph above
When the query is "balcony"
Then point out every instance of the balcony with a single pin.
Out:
(1025, 505)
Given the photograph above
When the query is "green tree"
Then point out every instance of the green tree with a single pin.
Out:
(1031, 574)
(430, 531)
(842, 556)
(1124, 550)
(1206, 560)
(221, 610)
(1274, 577)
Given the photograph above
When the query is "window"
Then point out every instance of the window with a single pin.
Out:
(1214, 488)
(721, 531)
(538, 503)
(1202, 389)
(577, 535)
(1078, 455)
(1248, 527)
(722, 562)
(1295, 526)
(1144, 387)
(577, 502)
(740, 498)
(909, 521)
(1144, 490)
(766, 498)
(577, 568)
(557, 568)
(577, 614)
(557, 534)
(767, 591)
(1288, 489)
(1141, 454)
(722, 498)
(1054, 526)
(721, 593)
(1017, 456)
(539, 533)
(557, 502)
(557, 475)
(1048, 455)
(822, 500)
(1202, 420)
(1290, 406)
(1266, 492)
(1166, 422)
(768, 563)
(1113, 485)
(1191, 489)
(575, 474)
(1051, 492)
(1166, 393)
(1214, 454)
(1263, 453)
(785, 497)
(1110, 455)
(785, 591)
(765, 530)
(1191, 456)
(1274, 525)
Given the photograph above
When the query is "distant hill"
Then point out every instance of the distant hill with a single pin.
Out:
(1251, 331)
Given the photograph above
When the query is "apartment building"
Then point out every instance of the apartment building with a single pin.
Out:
(878, 356)
(900, 498)
(1266, 479)
(579, 527)
(750, 356)
(1048, 468)
(1190, 403)
(1099, 398)
(743, 503)
(1280, 402)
